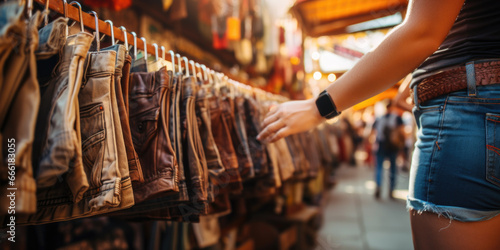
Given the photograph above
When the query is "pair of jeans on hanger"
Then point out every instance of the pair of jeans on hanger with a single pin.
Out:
(82, 168)
(19, 101)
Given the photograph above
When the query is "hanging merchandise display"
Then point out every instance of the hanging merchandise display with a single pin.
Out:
(135, 138)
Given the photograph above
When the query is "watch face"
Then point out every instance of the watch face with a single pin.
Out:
(325, 104)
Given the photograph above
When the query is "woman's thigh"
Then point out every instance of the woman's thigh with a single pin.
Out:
(431, 231)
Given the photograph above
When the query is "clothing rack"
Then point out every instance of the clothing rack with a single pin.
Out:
(89, 21)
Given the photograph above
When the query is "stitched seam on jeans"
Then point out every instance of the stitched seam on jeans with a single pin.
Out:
(475, 102)
(434, 146)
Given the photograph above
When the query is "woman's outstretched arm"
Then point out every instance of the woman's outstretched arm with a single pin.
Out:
(424, 29)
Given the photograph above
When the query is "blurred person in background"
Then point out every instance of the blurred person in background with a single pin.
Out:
(390, 139)
(454, 45)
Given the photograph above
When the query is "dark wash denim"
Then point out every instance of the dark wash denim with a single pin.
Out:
(19, 103)
(455, 168)
(150, 134)
(240, 144)
(194, 155)
(257, 150)
(246, 171)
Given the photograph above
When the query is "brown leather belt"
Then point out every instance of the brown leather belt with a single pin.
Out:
(455, 79)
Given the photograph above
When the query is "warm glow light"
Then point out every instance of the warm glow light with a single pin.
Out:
(332, 77)
(317, 75)
(294, 60)
(315, 55)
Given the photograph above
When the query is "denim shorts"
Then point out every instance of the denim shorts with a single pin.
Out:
(455, 168)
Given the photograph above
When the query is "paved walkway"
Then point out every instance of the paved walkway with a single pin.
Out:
(353, 219)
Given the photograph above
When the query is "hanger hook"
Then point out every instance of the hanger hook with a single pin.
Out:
(125, 36)
(191, 62)
(211, 76)
(29, 8)
(204, 70)
(135, 44)
(145, 48)
(156, 51)
(186, 63)
(97, 35)
(198, 67)
(79, 13)
(46, 12)
(112, 31)
(162, 52)
(179, 62)
(65, 7)
(172, 57)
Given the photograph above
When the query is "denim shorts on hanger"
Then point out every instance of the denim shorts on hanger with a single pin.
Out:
(455, 168)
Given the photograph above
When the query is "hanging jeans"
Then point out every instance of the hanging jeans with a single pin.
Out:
(224, 142)
(150, 134)
(61, 178)
(246, 170)
(19, 102)
(124, 136)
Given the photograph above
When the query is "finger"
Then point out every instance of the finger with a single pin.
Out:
(282, 133)
(270, 130)
(270, 119)
(272, 110)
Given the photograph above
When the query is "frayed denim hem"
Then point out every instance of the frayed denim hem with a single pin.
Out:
(450, 212)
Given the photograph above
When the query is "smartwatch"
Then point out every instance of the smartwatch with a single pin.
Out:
(326, 106)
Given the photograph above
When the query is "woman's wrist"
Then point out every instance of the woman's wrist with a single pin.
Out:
(314, 110)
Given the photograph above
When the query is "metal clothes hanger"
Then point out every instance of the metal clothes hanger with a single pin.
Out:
(172, 57)
(205, 74)
(163, 52)
(65, 5)
(29, 9)
(46, 12)
(112, 31)
(145, 48)
(135, 44)
(211, 77)
(125, 37)
(156, 51)
(97, 35)
(82, 29)
(186, 64)
(191, 62)
(199, 73)
(179, 62)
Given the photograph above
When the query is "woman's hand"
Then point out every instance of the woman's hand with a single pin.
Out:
(289, 118)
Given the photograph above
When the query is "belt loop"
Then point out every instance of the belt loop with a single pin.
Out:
(471, 78)
(415, 97)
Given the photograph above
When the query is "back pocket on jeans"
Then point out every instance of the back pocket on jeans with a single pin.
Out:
(93, 133)
(493, 148)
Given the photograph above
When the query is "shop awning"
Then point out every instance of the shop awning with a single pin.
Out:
(330, 17)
